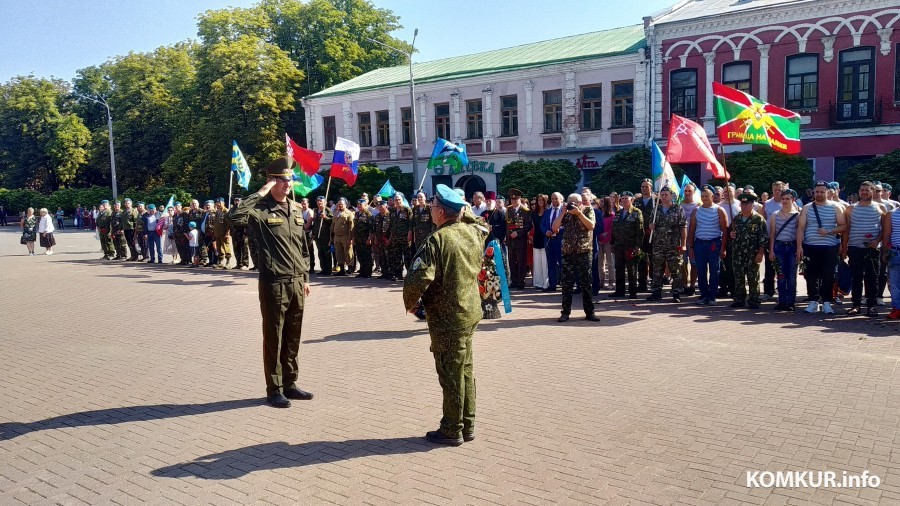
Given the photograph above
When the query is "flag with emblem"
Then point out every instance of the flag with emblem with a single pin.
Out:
(662, 173)
(345, 164)
(688, 144)
(305, 183)
(744, 119)
(307, 159)
(239, 166)
(445, 152)
(387, 190)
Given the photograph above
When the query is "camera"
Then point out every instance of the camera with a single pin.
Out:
(570, 206)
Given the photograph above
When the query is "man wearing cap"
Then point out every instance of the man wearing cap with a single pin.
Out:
(422, 224)
(627, 238)
(222, 234)
(363, 233)
(241, 246)
(706, 239)
(104, 230)
(518, 224)
(401, 233)
(129, 218)
(645, 204)
(140, 233)
(444, 275)
(750, 241)
(342, 236)
(118, 232)
(283, 278)
(154, 244)
(321, 232)
(818, 227)
(380, 237)
(195, 214)
(669, 236)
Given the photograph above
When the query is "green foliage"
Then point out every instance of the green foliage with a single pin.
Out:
(542, 176)
(15, 201)
(762, 167)
(624, 171)
(884, 168)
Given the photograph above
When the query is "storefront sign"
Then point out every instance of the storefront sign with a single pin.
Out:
(473, 167)
(587, 162)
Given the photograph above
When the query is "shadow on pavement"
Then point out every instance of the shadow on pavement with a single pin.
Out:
(280, 455)
(125, 414)
(363, 335)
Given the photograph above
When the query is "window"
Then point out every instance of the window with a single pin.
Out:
(591, 107)
(406, 124)
(802, 84)
(330, 136)
(737, 75)
(365, 129)
(442, 120)
(509, 116)
(473, 119)
(842, 164)
(383, 127)
(855, 97)
(623, 104)
(553, 111)
(683, 100)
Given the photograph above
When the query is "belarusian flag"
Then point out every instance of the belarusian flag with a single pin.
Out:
(744, 119)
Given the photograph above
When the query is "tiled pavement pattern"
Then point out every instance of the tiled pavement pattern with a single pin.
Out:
(137, 384)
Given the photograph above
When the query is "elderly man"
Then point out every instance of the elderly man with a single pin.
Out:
(576, 225)
(518, 224)
(645, 204)
(627, 239)
(668, 242)
(342, 236)
(444, 275)
(750, 240)
(553, 242)
(818, 227)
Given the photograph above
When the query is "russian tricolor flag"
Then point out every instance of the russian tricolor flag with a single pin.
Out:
(345, 164)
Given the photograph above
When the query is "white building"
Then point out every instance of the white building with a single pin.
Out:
(580, 98)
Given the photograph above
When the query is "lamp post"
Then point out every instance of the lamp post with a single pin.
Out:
(112, 153)
(412, 101)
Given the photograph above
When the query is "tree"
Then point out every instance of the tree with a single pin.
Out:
(763, 166)
(884, 168)
(542, 176)
(43, 144)
(624, 171)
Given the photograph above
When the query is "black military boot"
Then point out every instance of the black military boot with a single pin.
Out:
(292, 392)
(438, 437)
(657, 295)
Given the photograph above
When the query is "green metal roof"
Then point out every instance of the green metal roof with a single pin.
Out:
(614, 42)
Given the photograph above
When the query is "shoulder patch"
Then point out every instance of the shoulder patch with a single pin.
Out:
(417, 264)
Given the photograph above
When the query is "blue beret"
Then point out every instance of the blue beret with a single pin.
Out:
(192, 224)
(833, 185)
(361, 201)
(460, 192)
(220, 199)
(626, 194)
(887, 187)
(449, 198)
(177, 203)
(209, 202)
(151, 206)
(142, 203)
(320, 198)
(792, 193)
(104, 202)
(708, 187)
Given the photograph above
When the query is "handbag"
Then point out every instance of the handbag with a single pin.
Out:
(23, 239)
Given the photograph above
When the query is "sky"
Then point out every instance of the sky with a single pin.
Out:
(55, 38)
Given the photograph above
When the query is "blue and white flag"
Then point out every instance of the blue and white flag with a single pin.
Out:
(662, 173)
(239, 166)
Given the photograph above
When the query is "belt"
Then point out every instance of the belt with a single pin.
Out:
(786, 243)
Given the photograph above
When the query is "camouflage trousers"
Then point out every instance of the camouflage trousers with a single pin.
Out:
(672, 258)
(746, 274)
(576, 264)
(452, 350)
(398, 257)
(106, 245)
(241, 247)
(120, 244)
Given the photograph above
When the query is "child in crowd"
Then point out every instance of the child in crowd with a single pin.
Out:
(194, 244)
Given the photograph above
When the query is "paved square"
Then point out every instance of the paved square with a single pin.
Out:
(126, 383)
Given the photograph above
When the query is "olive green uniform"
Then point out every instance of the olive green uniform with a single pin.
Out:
(118, 234)
(341, 233)
(422, 225)
(398, 249)
(130, 219)
(222, 231)
(670, 224)
(363, 233)
(381, 233)
(444, 275)
(518, 220)
(104, 230)
(283, 273)
(644, 267)
(627, 238)
(750, 236)
(321, 233)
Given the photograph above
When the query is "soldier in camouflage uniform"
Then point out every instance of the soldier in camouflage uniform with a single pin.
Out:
(363, 233)
(118, 232)
(380, 235)
(627, 238)
(669, 233)
(422, 224)
(181, 230)
(444, 275)
(130, 219)
(104, 230)
(195, 214)
(518, 224)
(241, 244)
(208, 234)
(401, 236)
(750, 241)
(222, 231)
(140, 234)
(576, 225)
(321, 233)
(645, 203)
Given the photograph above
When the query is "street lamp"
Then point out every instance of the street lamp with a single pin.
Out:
(412, 101)
(112, 153)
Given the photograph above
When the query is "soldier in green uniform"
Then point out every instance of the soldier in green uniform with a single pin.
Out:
(342, 236)
(129, 219)
(140, 235)
(208, 235)
(627, 238)
(518, 224)
(749, 243)
(381, 235)
(401, 236)
(195, 214)
(181, 229)
(283, 278)
(669, 233)
(422, 224)
(118, 232)
(222, 233)
(444, 275)
(576, 225)
(104, 230)
(321, 233)
(363, 234)
(645, 204)
(241, 244)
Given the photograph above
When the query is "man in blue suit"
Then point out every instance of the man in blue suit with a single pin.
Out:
(554, 241)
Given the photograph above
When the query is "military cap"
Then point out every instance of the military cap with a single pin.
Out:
(177, 202)
(792, 193)
(836, 185)
(220, 199)
(449, 198)
(514, 193)
(887, 187)
(104, 202)
(151, 206)
(320, 197)
(142, 203)
(281, 167)
(209, 202)
(719, 188)
(732, 185)
(236, 197)
(747, 197)
(665, 189)
(192, 224)
(127, 200)
(626, 194)
(361, 201)
(749, 188)
(460, 192)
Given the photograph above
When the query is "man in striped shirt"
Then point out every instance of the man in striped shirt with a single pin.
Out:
(860, 243)
(819, 224)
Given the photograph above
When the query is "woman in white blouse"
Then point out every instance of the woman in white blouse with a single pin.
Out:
(45, 229)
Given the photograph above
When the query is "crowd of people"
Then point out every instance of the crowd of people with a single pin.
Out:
(713, 242)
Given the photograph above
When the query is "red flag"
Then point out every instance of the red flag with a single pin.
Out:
(307, 159)
(688, 143)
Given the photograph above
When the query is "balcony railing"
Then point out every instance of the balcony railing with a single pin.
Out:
(840, 117)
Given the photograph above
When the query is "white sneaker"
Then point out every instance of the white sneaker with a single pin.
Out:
(826, 308)
(48, 252)
(813, 307)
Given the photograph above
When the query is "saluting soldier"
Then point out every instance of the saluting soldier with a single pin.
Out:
(104, 230)
(118, 232)
(444, 275)
(518, 224)
(283, 278)
(321, 232)
(241, 244)
(669, 234)
(627, 238)
(401, 235)
(749, 243)
(363, 233)
(222, 233)
(645, 203)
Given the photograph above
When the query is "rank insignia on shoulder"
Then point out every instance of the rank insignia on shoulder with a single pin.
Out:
(274, 221)
(417, 264)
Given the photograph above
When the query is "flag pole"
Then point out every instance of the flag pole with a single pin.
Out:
(730, 213)
(656, 204)
(425, 173)
(230, 182)
(327, 187)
